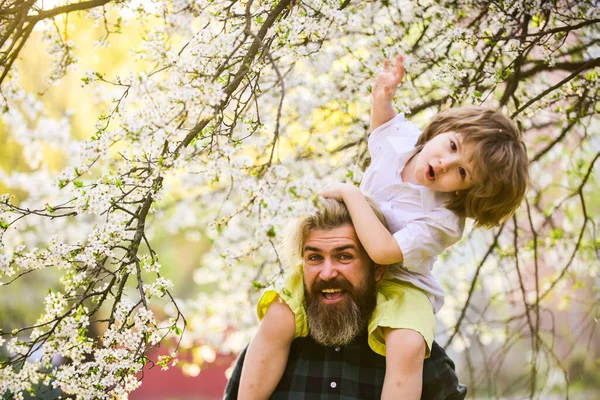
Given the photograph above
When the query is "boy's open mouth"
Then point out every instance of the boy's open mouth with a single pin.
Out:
(430, 173)
(332, 294)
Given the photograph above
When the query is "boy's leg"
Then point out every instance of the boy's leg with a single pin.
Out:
(268, 352)
(405, 354)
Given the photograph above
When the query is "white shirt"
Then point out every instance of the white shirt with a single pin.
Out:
(416, 215)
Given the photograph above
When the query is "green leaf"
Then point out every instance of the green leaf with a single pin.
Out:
(271, 232)
(176, 330)
(78, 183)
(590, 75)
(258, 285)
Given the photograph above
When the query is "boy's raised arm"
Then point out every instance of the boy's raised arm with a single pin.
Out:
(383, 92)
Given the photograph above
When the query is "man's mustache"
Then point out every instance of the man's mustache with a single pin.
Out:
(336, 283)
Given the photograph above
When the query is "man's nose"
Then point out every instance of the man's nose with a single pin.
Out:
(328, 271)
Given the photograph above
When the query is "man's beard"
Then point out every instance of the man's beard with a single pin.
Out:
(339, 323)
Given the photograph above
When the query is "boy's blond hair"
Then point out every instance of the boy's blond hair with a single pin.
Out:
(499, 158)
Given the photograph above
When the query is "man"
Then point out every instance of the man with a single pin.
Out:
(335, 360)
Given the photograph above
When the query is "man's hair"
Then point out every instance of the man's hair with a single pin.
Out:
(330, 214)
(499, 158)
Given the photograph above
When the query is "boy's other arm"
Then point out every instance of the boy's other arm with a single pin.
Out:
(378, 242)
(383, 92)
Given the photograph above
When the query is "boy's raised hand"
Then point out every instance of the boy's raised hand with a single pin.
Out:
(338, 191)
(389, 79)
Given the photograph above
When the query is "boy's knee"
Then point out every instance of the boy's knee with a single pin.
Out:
(279, 320)
(279, 309)
(409, 343)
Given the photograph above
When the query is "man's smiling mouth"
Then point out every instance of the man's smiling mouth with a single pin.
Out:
(332, 294)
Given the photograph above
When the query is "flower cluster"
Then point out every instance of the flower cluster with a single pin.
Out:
(231, 118)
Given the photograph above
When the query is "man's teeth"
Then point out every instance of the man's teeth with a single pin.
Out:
(331, 290)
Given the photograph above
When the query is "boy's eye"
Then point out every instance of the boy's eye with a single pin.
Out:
(453, 145)
(463, 173)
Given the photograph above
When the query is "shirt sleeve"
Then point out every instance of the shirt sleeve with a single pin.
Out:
(397, 134)
(439, 377)
(425, 238)
(233, 385)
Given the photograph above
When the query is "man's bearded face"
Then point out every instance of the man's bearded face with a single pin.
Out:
(339, 323)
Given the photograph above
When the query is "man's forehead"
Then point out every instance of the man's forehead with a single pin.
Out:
(343, 236)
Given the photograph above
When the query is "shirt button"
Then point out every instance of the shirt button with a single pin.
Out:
(333, 385)
(337, 349)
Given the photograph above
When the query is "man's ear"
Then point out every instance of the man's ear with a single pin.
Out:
(379, 270)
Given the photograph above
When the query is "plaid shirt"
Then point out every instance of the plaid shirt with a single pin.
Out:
(350, 372)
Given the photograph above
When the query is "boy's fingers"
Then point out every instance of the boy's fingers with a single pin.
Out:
(386, 64)
(400, 65)
(399, 72)
(400, 62)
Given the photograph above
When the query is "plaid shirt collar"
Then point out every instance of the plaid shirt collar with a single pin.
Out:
(350, 372)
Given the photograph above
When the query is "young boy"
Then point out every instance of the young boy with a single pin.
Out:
(468, 162)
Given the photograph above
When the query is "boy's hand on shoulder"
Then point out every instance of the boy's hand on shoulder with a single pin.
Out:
(338, 190)
(388, 80)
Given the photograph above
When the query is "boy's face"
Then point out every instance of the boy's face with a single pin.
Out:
(443, 164)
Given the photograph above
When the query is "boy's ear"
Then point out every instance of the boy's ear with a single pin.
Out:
(379, 270)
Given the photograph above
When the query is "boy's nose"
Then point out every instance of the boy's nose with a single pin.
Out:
(447, 162)
(328, 271)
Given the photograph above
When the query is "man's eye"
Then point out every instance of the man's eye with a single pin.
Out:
(314, 257)
(463, 173)
(453, 145)
(345, 257)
